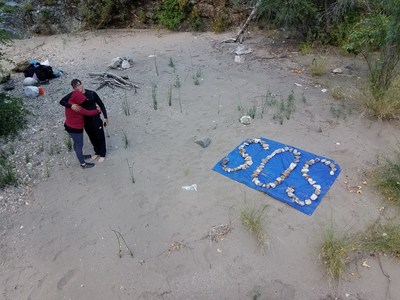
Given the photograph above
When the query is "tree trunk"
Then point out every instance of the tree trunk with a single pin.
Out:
(239, 36)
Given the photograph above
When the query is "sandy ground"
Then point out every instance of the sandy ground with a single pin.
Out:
(62, 245)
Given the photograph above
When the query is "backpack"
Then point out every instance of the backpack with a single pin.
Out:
(42, 72)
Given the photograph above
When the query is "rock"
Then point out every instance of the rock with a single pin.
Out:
(337, 71)
(125, 64)
(115, 63)
(204, 143)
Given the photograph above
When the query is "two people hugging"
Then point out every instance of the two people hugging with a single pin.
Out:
(82, 111)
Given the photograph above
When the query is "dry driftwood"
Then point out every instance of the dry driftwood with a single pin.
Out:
(239, 36)
(112, 80)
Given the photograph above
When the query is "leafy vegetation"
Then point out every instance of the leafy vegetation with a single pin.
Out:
(7, 175)
(333, 253)
(383, 239)
(12, 115)
(387, 179)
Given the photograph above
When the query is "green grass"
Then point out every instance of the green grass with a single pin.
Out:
(318, 67)
(387, 106)
(333, 253)
(7, 174)
(253, 220)
(383, 239)
(387, 179)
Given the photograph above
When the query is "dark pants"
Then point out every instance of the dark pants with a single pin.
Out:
(95, 131)
(77, 138)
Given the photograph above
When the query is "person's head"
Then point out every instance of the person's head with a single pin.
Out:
(77, 85)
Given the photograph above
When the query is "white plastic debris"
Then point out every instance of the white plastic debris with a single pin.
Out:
(31, 91)
(245, 120)
(192, 187)
(239, 59)
(324, 90)
(297, 84)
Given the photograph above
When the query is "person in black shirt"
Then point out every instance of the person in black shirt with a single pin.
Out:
(94, 126)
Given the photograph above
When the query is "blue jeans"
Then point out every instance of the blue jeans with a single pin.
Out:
(77, 138)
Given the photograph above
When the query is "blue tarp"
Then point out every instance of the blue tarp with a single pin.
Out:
(289, 174)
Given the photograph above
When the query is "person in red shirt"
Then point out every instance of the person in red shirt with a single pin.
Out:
(74, 123)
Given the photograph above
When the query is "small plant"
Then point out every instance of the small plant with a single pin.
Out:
(155, 63)
(12, 115)
(180, 100)
(171, 63)
(387, 177)
(338, 111)
(170, 95)
(285, 109)
(289, 106)
(305, 48)
(154, 95)
(27, 158)
(383, 239)
(130, 167)
(54, 149)
(47, 170)
(252, 219)
(125, 106)
(7, 174)
(27, 7)
(197, 77)
(333, 253)
(68, 142)
(177, 83)
(337, 93)
(252, 111)
(125, 139)
(318, 67)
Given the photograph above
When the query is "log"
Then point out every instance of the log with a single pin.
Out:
(239, 36)
(116, 80)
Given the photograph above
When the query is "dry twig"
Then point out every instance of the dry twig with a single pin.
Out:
(112, 80)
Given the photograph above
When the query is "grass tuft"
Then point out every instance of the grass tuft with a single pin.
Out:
(383, 239)
(253, 220)
(333, 253)
(387, 179)
(318, 67)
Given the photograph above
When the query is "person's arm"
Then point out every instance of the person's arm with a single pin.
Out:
(100, 104)
(91, 112)
(64, 102)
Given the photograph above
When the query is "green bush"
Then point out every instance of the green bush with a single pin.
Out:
(221, 21)
(106, 13)
(12, 115)
(7, 175)
(172, 13)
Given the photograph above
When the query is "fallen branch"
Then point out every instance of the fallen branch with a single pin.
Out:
(239, 36)
(113, 80)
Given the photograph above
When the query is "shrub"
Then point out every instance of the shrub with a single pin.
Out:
(172, 13)
(387, 178)
(12, 115)
(221, 21)
(7, 175)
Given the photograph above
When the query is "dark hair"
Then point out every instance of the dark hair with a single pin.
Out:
(75, 82)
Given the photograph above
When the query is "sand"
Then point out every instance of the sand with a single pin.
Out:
(64, 243)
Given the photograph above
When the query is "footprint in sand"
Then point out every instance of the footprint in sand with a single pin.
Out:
(66, 278)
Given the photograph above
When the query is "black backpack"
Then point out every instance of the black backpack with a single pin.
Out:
(42, 72)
